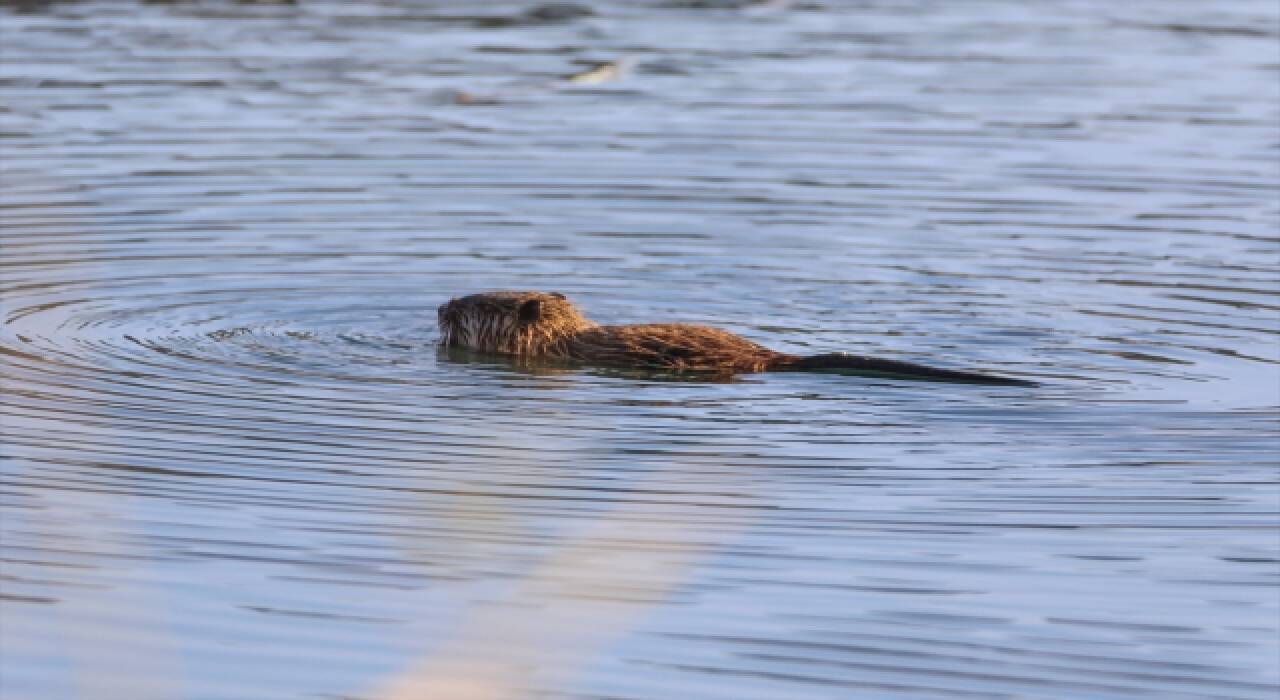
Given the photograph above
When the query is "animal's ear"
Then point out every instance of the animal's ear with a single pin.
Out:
(530, 311)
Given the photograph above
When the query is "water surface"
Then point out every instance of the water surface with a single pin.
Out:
(235, 465)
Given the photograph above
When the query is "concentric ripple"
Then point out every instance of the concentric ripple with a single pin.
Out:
(236, 465)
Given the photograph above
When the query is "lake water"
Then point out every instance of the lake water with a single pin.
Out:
(235, 465)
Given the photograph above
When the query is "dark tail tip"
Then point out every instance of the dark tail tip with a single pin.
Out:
(894, 369)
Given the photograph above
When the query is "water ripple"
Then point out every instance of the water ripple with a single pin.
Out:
(230, 443)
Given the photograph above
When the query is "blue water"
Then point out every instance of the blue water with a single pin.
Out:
(235, 466)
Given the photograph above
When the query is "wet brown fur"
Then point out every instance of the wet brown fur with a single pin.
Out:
(547, 325)
(540, 325)
(525, 324)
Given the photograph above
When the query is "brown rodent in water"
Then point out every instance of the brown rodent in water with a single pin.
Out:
(535, 325)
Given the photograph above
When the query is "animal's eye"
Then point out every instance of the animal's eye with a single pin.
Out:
(530, 311)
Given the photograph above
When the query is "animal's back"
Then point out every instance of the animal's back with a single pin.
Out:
(677, 347)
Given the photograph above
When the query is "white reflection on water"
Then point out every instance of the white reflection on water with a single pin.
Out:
(589, 590)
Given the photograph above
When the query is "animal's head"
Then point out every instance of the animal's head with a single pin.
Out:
(516, 323)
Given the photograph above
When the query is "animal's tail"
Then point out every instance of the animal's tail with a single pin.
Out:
(894, 369)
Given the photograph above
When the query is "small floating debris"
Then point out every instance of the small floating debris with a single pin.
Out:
(454, 96)
(603, 72)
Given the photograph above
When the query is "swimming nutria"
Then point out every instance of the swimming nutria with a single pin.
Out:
(547, 325)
